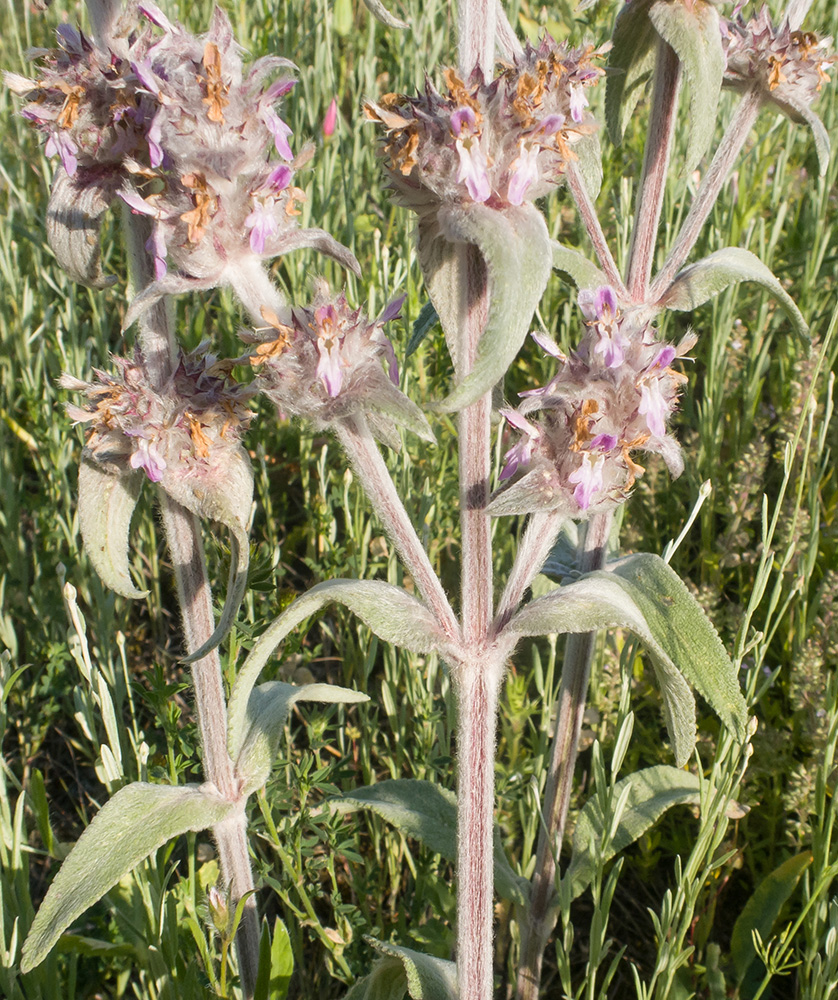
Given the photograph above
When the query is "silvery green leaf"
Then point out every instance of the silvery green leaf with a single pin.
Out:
(581, 271)
(650, 793)
(631, 61)
(380, 13)
(696, 284)
(693, 32)
(428, 813)
(267, 710)
(589, 163)
(422, 326)
(393, 615)
(133, 824)
(225, 495)
(403, 972)
(800, 112)
(515, 246)
(763, 908)
(107, 500)
(643, 594)
(389, 401)
(445, 278)
(74, 223)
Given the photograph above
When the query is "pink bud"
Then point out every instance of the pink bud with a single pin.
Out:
(331, 119)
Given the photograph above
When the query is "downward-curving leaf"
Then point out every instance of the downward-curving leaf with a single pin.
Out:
(581, 271)
(106, 504)
(644, 595)
(516, 248)
(393, 615)
(225, 497)
(650, 793)
(705, 279)
(693, 32)
(762, 910)
(631, 61)
(403, 972)
(138, 820)
(428, 813)
(267, 711)
(74, 223)
(380, 12)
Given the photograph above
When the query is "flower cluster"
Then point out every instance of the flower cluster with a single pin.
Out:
(612, 397)
(187, 430)
(503, 142)
(789, 66)
(327, 366)
(173, 125)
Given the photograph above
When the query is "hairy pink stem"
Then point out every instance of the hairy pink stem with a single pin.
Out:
(573, 692)
(367, 461)
(655, 163)
(717, 173)
(183, 537)
(477, 680)
(591, 222)
(477, 683)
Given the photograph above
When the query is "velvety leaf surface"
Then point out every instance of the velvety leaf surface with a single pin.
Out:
(393, 614)
(403, 972)
(267, 711)
(106, 504)
(650, 793)
(581, 271)
(644, 595)
(631, 60)
(700, 282)
(428, 813)
(693, 32)
(517, 250)
(133, 824)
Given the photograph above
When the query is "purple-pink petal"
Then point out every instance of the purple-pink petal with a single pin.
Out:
(331, 119)
(392, 310)
(329, 370)
(523, 174)
(547, 344)
(603, 442)
(279, 88)
(473, 172)
(588, 478)
(462, 118)
(63, 145)
(155, 15)
(653, 406)
(280, 132)
(262, 226)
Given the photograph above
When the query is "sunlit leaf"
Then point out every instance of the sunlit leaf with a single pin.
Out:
(701, 281)
(107, 500)
(651, 792)
(393, 615)
(403, 972)
(133, 824)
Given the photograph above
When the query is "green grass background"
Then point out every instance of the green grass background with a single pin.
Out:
(756, 420)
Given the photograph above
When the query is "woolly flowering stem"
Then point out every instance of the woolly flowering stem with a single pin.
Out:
(476, 33)
(655, 162)
(183, 537)
(539, 538)
(718, 172)
(573, 692)
(476, 685)
(590, 220)
(477, 681)
(359, 444)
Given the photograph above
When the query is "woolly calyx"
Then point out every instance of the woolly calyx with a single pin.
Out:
(327, 365)
(613, 396)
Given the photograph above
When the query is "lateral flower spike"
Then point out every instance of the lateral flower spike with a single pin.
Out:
(612, 397)
(327, 367)
(786, 65)
(172, 126)
(470, 161)
(186, 439)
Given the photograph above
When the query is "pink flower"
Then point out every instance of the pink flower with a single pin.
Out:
(589, 479)
(653, 406)
(521, 453)
(523, 173)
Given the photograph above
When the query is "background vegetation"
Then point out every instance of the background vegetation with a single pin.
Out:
(92, 692)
